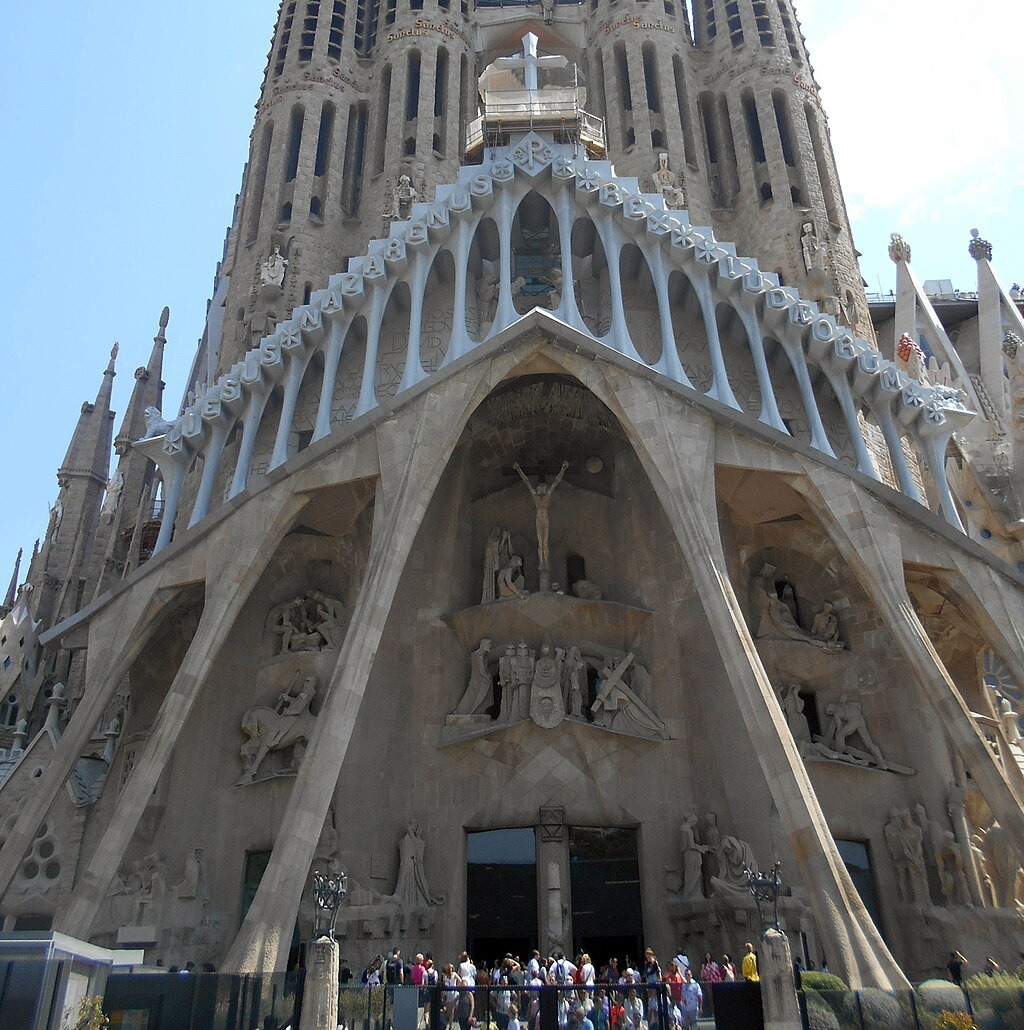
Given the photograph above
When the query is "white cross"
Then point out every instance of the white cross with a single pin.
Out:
(529, 61)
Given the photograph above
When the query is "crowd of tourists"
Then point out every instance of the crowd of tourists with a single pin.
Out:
(643, 995)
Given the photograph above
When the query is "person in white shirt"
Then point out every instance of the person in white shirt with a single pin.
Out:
(467, 971)
(533, 966)
(587, 973)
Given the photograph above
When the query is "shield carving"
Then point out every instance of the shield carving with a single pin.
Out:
(547, 706)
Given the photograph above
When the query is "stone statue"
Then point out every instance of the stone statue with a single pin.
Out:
(825, 626)
(576, 669)
(815, 251)
(777, 619)
(949, 864)
(903, 838)
(405, 196)
(617, 706)
(547, 10)
(640, 681)
(156, 424)
(666, 182)
(899, 249)
(272, 270)
(480, 687)
(497, 553)
(547, 707)
(735, 857)
(510, 579)
(586, 590)
(693, 859)
(113, 496)
(1002, 864)
(1010, 720)
(542, 495)
(488, 289)
(846, 719)
(793, 707)
(507, 682)
(522, 672)
(411, 888)
(190, 881)
(287, 725)
(57, 517)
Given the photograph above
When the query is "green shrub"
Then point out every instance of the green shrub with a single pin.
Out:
(940, 996)
(1006, 981)
(813, 981)
(819, 1015)
(880, 1009)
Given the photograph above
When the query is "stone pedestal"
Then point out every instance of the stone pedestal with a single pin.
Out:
(778, 991)
(320, 1000)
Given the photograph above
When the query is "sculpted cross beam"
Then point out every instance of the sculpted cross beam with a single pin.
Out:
(530, 62)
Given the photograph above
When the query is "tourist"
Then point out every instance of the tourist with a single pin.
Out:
(588, 975)
(693, 999)
(674, 981)
(578, 1019)
(710, 971)
(513, 1017)
(633, 1010)
(956, 966)
(750, 973)
(616, 1013)
(563, 970)
(394, 968)
(533, 966)
(467, 971)
(450, 980)
(728, 969)
(651, 972)
(464, 1008)
(991, 966)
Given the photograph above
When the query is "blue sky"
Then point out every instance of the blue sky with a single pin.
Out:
(126, 128)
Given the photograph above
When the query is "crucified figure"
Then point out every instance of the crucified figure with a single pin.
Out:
(541, 495)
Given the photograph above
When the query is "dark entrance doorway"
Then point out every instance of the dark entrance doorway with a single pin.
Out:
(607, 911)
(501, 893)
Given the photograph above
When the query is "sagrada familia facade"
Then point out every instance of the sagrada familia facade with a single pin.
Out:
(549, 534)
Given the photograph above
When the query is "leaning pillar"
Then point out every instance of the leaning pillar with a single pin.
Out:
(872, 549)
(229, 587)
(680, 466)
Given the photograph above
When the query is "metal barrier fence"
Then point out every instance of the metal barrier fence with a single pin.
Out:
(203, 1001)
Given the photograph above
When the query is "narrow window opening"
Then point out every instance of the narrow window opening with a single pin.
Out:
(622, 71)
(818, 144)
(409, 148)
(684, 111)
(355, 154)
(294, 144)
(412, 85)
(324, 139)
(650, 78)
(390, 11)
(785, 129)
(286, 35)
(753, 127)
(308, 38)
(337, 31)
(307, 292)
(315, 207)
(734, 23)
(657, 138)
(260, 182)
(763, 23)
(383, 107)
(787, 27)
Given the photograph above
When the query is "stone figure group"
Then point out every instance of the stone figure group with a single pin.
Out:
(287, 725)
(310, 622)
(846, 737)
(780, 617)
(715, 865)
(138, 891)
(554, 684)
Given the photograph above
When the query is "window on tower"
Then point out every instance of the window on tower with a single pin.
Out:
(787, 25)
(763, 23)
(390, 11)
(734, 23)
(308, 39)
(286, 35)
(337, 31)
(710, 27)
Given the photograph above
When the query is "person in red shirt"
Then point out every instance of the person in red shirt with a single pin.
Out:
(674, 979)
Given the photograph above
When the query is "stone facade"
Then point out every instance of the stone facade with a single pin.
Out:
(540, 509)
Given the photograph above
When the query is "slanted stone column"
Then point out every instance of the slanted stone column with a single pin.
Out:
(867, 537)
(320, 998)
(680, 465)
(245, 554)
(778, 989)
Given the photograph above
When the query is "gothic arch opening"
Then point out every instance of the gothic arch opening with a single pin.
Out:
(640, 303)
(483, 279)
(739, 361)
(536, 254)
(394, 342)
(438, 312)
(691, 335)
(590, 274)
(350, 373)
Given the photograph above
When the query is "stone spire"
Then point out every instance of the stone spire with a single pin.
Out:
(12, 589)
(133, 482)
(82, 478)
(133, 479)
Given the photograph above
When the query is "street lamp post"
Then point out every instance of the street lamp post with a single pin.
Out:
(766, 887)
(329, 891)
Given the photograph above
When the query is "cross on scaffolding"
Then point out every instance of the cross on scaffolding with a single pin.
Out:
(530, 62)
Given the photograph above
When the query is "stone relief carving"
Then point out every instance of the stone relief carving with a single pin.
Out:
(310, 622)
(779, 618)
(497, 557)
(138, 892)
(40, 870)
(899, 249)
(585, 590)
(113, 496)
(411, 887)
(511, 582)
(1000, 863)
(554, 685)
(904, 839)
(910, 359)
(193, 880)
(284, 728)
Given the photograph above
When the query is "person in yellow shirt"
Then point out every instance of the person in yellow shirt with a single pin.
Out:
(749, 967)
